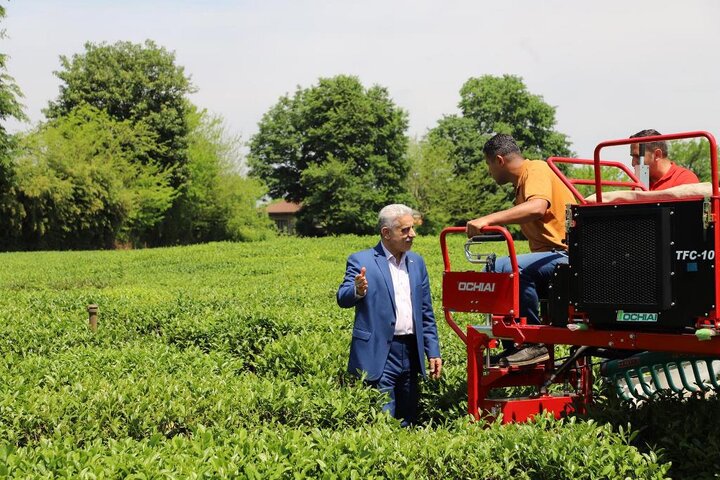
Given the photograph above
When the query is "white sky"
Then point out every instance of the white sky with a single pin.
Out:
(611, 68)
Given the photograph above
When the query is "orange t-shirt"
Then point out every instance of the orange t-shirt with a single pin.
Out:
(537, 180)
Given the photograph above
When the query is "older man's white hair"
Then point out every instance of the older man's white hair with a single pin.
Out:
(389, 214)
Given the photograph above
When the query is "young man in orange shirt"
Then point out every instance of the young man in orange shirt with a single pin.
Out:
(663, 172)
(540, 200)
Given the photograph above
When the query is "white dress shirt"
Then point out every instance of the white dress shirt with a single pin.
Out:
(403, 298)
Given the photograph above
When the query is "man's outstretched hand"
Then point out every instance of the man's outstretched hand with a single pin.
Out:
(361, 283)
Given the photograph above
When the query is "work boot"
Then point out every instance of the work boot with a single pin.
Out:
(527, 355)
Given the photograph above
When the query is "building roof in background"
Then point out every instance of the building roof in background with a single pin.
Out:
(283, 207)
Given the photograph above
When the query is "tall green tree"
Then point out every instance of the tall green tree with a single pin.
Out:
(140, 83)
(10, 107)
(78, 184)
(219, 202)
(504, 105)
(337, 147)
(453, 149)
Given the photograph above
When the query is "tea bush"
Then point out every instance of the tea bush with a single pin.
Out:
(228, 360)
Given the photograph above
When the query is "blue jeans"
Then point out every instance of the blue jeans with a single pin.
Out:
(400, 380)
(536, 270)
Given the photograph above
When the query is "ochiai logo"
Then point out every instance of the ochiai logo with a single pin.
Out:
(476, 287)
(623, 316)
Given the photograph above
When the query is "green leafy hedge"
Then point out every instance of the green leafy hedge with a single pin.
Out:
(228, 360)
(543, 450)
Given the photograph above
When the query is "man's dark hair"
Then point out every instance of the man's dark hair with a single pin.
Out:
(662, 145)
(501, 144)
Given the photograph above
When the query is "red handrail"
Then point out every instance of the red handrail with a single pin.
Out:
(571, 182)
(657, 138)
(513, 263)
(489, 229)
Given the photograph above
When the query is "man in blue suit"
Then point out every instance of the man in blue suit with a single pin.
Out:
(394, 322)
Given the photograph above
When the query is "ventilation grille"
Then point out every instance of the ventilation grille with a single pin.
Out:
(619, 260)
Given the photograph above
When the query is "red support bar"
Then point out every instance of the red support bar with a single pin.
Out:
(618, 339)
(474, 369)
(443, 244)
(451, 321)
(571, 182)
(608, 183)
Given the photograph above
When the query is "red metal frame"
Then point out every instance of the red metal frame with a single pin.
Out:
(570, 182)
(514, 276)
(505, 324)
(656, 138)
(481, 379)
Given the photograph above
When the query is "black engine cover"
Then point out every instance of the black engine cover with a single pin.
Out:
(641, 266)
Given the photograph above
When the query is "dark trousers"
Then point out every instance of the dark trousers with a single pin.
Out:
(400, 379)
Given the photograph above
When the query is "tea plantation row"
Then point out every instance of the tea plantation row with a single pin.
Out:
(228, 360)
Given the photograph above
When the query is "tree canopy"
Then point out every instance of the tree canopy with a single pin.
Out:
(156, 170)
(124, 158)
(449, 177)
(693, 154)
(136, 82)
(337, 147)
(504, 105)
(140, 87)
(78, 184)
(10, 107)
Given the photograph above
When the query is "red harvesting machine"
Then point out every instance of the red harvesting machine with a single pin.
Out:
(640, 292)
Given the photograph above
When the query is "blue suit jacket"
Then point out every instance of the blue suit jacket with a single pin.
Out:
(375, 312)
